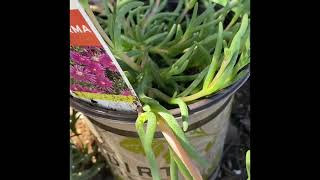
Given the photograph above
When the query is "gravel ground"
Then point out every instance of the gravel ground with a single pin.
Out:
(238, 138)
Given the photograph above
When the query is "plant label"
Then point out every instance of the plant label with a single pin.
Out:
(95, 75)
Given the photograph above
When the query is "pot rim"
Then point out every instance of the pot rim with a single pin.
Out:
(131, 116)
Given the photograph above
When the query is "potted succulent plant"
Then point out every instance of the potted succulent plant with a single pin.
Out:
(185, 59)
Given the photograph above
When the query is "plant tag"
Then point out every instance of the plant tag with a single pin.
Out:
(95, 75)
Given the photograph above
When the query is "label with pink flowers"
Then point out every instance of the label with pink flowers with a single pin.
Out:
(95, 75)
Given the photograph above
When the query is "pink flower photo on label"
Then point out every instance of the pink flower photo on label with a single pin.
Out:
(106, 62)
(77, 87)
(92, 70)
(79, 59)
(100, 58)
(80, 73)
(104, 82)
(126, 93)
(96, 90)
(96, 68)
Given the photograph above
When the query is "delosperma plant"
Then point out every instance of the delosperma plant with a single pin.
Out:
(173, 57)
(248, 163)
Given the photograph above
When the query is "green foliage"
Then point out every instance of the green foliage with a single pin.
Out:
(248, 163)
(176, 57)
(81, 165)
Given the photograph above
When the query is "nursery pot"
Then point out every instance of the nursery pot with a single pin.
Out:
(120, 144)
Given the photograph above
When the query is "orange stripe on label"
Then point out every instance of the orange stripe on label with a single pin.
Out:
(80, 32)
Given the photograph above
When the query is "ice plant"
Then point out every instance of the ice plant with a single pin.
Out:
(80, 73)
(104, 82)
(248, 163)
(126, 93)
(176, 57)
(78, 58)
(96, 68)
(90, 69)
(76, 87)
(104, 60)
